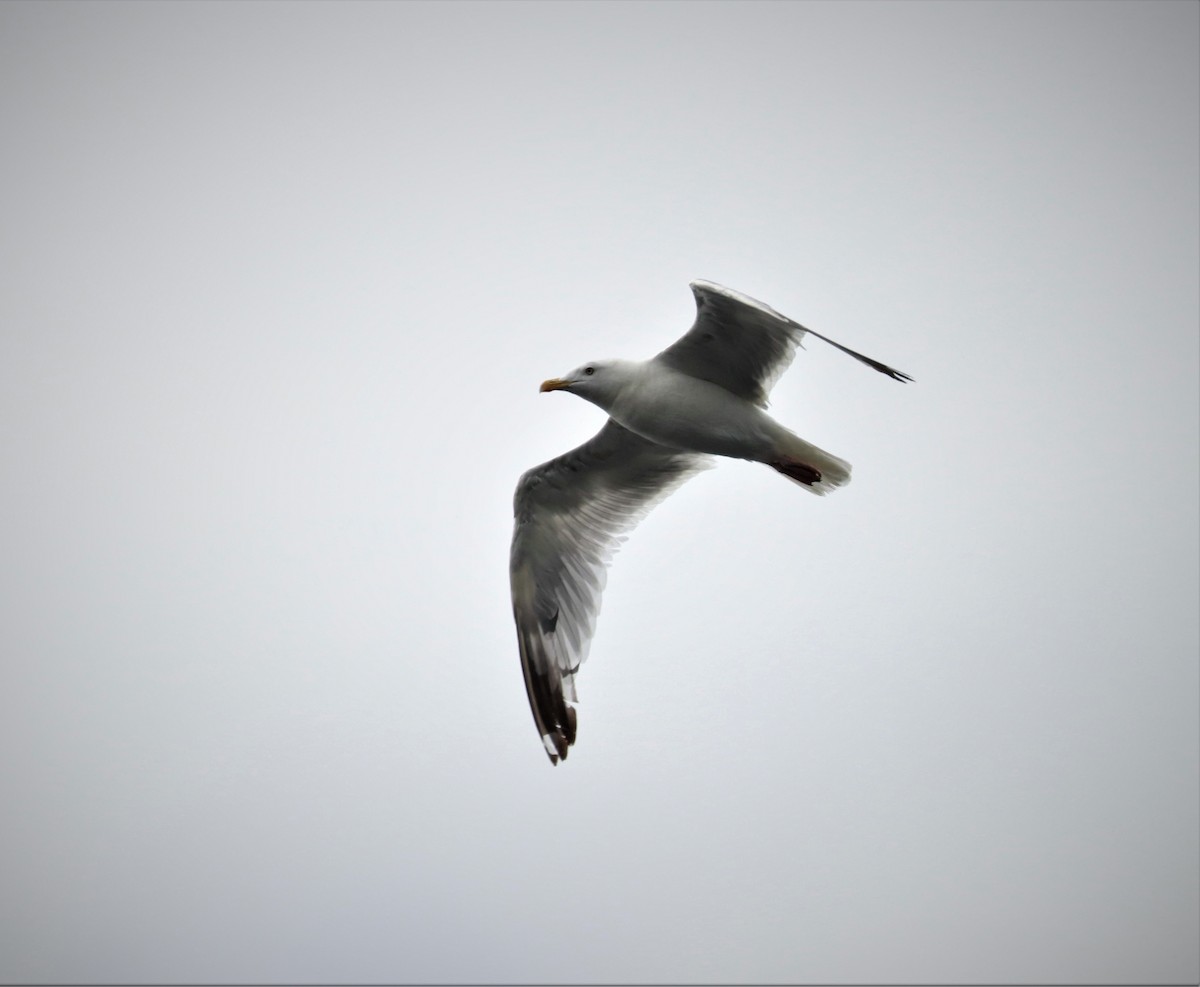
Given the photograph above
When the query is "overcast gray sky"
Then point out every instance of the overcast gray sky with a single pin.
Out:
(277, 286)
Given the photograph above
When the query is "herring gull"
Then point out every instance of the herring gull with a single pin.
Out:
(702, 396)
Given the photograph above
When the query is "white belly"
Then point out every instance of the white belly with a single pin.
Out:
(693, 414)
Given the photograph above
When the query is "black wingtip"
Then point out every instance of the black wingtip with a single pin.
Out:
(561, 739)
(883, 368)
(560, 733)
(553, 715)
(564, 733)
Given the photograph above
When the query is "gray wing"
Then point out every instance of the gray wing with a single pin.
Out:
(743, 345)
(570, 515)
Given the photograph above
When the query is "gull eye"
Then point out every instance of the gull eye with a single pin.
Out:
(589, 371)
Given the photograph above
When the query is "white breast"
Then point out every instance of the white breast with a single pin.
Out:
(674, 409)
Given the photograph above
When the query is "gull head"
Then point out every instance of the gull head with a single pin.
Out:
(599, 381)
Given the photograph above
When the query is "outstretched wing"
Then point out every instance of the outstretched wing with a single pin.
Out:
(570, 515)
(742, 344)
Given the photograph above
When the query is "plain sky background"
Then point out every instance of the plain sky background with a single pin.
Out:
(278, 283)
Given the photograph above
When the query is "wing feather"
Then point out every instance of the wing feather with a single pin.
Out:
(743, 345)
(570, 514)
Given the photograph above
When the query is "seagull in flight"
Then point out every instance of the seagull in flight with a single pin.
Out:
(702, 396)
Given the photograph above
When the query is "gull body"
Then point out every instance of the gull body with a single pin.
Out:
(702, 396)
(676, 410)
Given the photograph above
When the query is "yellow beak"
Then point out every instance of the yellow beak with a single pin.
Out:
(554, 384)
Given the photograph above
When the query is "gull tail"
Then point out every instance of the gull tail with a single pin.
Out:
(812, 468)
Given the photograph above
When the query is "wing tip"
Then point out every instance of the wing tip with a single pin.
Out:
(556, 747)
(700, 286)
(559, 738)
(550, 694)
(895, 374)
